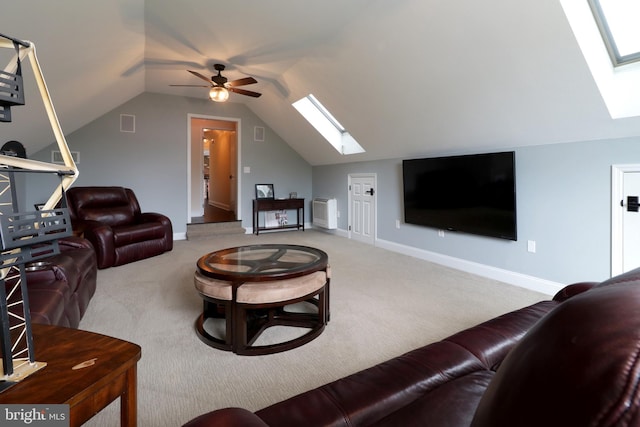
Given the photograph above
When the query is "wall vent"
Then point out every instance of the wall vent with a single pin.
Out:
(56, 157)
(127, 123)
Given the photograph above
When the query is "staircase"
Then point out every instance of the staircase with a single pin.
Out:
(204, 230)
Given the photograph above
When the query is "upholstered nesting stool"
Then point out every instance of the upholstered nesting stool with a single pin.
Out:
(250, 286)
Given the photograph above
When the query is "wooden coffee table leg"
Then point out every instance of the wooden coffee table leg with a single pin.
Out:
(239, 328)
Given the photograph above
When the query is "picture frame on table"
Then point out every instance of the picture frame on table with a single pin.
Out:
(264, 191)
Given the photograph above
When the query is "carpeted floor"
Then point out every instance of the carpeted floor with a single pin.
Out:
(382, 305)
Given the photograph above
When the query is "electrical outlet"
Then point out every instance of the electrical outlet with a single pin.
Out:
(397, 223)
(531, 246)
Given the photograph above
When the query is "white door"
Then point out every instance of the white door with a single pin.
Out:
(362, 207)
(625, 218)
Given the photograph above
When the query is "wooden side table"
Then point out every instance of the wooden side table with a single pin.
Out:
(85, 370)
(263, 205)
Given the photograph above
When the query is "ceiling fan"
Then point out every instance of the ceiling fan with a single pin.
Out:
(220, 86)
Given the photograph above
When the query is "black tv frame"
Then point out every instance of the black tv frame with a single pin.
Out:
(472, 193)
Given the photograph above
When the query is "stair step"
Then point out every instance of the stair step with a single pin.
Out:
(198, 231)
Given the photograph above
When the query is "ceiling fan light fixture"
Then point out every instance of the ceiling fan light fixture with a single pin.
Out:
(219, 94)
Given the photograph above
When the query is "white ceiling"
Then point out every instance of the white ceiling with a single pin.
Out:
(405, 77)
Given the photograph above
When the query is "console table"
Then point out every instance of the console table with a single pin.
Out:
(264, 205)
(85, 370)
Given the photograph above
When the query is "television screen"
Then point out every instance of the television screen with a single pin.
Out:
(471, 193)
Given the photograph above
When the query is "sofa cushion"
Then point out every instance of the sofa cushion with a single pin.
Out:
(262, 292)
(451, 404)
(46, 306)
(59, 295)
(368, 396)
(108, 205)
(48, 279)
(492, 340)
(138, 251)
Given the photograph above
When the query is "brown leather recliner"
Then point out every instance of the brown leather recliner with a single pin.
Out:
(111, 219)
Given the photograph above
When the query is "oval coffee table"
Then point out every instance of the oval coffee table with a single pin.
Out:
(250, 286)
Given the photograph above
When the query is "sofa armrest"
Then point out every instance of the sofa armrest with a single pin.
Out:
(154, 217)
(228, 417)
(166, 224)
(572, 290)
(74, 242)
(101, 237)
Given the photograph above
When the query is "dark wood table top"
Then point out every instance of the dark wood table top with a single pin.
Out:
(107, 358)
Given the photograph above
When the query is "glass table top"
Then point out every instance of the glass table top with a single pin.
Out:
(262, 262)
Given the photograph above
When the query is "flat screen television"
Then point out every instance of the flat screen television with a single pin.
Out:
(471, 193)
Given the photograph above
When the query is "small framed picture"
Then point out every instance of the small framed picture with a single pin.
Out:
(293, 195)
(264, 191)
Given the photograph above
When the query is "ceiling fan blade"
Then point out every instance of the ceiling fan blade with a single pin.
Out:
(244, 92)
(197, 74)
(242, 82)
(190, 85)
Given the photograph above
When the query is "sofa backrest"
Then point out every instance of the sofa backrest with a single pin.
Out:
(113, 206)
(579, 366)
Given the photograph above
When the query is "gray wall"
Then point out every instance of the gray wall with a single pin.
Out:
(153, 160)
(564, 190)
(563, 203)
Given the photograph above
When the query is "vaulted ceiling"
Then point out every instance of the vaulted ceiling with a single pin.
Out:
(405, 77)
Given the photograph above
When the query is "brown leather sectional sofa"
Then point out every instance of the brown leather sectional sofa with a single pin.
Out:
(60, 293)
(570, 361)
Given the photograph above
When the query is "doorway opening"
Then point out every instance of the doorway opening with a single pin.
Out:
(214, 165)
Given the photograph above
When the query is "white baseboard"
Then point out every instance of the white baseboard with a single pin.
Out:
(517, 279)
(334, 231)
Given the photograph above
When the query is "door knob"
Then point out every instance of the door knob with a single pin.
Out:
(371, 192)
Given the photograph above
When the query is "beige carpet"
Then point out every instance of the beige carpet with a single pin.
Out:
(382, 305)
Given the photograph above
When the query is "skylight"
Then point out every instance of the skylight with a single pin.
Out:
(327, 125)
(618, 85)
(618, 23)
